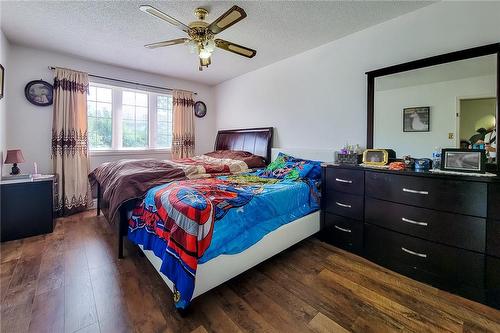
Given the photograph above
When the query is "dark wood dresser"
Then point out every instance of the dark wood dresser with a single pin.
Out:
(26, 208)
(439, 229)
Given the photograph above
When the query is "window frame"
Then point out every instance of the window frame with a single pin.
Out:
(117, 123)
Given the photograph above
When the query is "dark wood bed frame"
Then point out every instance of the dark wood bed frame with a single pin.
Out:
(258, 141)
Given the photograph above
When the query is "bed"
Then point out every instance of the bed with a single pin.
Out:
(118, 185)
(220, 266)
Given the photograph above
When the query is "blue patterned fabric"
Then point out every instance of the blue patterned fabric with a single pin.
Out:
(286, 167)
(265, 205)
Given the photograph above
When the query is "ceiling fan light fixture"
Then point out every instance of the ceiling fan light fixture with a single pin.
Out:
(204, 54)
(192, 46)
(209, 45)
(201, 35)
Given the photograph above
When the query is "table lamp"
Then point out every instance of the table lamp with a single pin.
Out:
(14, 156)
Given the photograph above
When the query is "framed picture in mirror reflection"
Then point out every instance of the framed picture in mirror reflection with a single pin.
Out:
(416, 119)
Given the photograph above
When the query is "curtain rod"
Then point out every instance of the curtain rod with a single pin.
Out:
(124, 81)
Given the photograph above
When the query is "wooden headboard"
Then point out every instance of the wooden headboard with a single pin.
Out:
(257, 141)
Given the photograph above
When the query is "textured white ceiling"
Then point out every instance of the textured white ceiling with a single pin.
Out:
(114, 32)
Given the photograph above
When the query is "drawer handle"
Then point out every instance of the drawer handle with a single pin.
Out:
(342, 229)
(413, 253)
(342, 205)
(415, 191)
(343, 180)
(404, 219)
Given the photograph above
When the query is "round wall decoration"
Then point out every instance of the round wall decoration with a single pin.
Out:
(39, 92)
(200, 109)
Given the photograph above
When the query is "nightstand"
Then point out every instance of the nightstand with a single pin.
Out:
(26, 207)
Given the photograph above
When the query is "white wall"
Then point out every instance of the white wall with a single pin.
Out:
(29, 126)
(4, 51)
(317, 99)
(441, 97)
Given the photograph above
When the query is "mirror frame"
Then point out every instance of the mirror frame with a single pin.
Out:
(427, 62)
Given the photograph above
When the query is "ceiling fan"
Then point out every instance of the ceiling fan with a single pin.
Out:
(202, 34)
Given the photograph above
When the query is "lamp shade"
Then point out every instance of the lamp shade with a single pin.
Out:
(14, 156)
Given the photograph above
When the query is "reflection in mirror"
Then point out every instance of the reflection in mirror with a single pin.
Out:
(451, 105)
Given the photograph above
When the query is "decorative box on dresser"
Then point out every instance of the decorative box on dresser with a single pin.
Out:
(439, 229)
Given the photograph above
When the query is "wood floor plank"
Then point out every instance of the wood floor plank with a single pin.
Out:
(109, 299)
(199, 329)
(216, 317)
(489, 319)
(25, 273)
(79, 305)
(268, 308)
(51, 274)
(6, 270)
(71, 281)
(410, 318)
(333, 300)
(138, 297)
(441, 318)
(94, 328)
(240, 312)
(322, 324)
(11, 250)
(47, 314)
(293, 304)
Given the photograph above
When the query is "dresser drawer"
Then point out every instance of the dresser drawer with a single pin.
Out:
(344, 180)
(419, 258)
(343, 232)
(494, 201)
(452, 229)
(441, 194)
(343, 204)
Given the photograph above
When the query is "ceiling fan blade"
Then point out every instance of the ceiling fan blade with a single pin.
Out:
(166, 43)
(232, 16)
(235, 48)
(162, 16)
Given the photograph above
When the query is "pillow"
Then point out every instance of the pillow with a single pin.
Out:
(287, 167)
(251, 160)
(315, 172)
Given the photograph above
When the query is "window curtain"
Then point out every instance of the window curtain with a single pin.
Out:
(69, 141)
(182, 124)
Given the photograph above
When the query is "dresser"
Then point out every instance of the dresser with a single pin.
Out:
(26, 208)
(439, 229)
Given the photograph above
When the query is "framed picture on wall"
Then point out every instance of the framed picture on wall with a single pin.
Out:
(416, 119)
(2, 75)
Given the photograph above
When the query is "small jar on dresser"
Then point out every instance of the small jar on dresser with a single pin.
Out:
(26, 207)
(440, 229)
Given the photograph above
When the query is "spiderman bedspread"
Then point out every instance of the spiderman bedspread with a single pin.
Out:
(177, 221)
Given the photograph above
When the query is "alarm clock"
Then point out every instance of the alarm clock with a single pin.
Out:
(378, 157)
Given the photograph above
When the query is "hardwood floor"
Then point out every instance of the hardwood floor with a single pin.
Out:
(71, 281)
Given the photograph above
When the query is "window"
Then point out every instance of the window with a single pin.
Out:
(128, 119)
(99, 106)
(164, 121)
(135, 120)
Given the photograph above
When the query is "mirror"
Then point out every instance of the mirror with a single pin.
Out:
(446, 105)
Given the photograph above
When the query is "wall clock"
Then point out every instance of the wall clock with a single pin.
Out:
(39, 92)
(200, 109)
